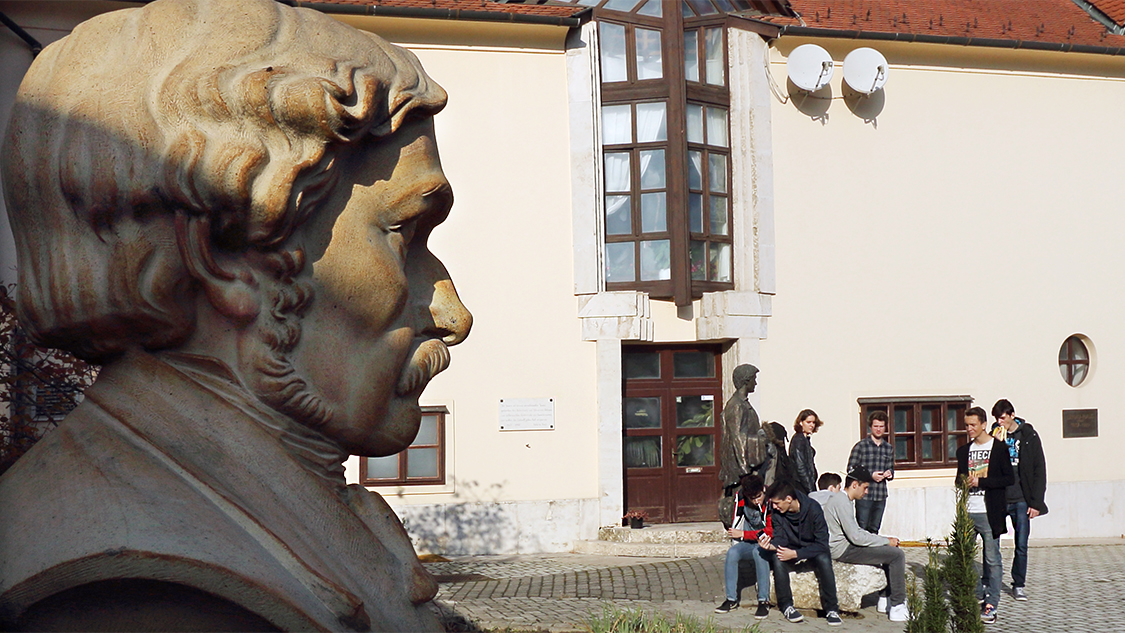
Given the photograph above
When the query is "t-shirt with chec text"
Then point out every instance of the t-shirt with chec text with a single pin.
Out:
(979, 454)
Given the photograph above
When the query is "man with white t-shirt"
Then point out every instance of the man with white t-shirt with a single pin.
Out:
(984, 462)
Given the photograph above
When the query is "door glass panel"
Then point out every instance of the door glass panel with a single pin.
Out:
(656, 260)
(618, 212)
(422, 462)
(382, 467)
(697, 253)
(693, 365)
(427, 430)
(718, 215)
(617, 171)
(652, 8)
(642, 452)
(717, 173)
(617, 124)
(641, 364)
(612, 42)
(695, 170)
(713, 45)
(694, 123)
(642, 413)
(649, 64)
(695, 450)
(654, 212)
(652, 169)
(694, 411)
(719, 262)
(691, 57)
(652, 122)
(619, 263)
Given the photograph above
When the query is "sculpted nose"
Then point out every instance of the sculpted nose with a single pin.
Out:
(451, 319)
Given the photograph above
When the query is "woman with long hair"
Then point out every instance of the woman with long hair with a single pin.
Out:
(801, 450)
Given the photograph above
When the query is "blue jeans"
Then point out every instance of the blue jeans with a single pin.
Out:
(825, 578)
(992, 569)
(741, 550)
(1021, 524)
(869, 514)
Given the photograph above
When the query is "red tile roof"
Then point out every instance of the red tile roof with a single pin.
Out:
(1044, 21)
(1113, 9)
(455, 7)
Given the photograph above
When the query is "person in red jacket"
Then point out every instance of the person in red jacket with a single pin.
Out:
(751, 522)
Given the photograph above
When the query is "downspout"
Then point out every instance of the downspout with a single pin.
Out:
(808, 31)
(32, 43)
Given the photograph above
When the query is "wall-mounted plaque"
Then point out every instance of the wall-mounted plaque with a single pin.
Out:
(1080, 422)
(527, 414)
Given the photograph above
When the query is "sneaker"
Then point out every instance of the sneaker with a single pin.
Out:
(726, 607)
(988, 616)
(763, 611)
(1019, 594)
(833, 618)
(881, 607)
(793, 615)
(899, 613)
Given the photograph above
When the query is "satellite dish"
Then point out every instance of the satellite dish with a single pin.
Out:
(810, 67)
(865, 70)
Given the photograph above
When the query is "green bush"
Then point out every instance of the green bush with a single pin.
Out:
(960, 570)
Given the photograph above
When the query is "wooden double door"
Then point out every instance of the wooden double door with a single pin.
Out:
(671, 421)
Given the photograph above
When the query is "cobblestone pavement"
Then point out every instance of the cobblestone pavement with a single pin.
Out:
(1081, 587)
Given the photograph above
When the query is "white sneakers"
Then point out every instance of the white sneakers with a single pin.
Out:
(881, 607)
(899, 613)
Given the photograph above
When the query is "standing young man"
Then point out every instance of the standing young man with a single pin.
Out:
(877, 455)
(752, 524)
(799, 533)
(850, 543)
(983, 460)
(1025, 496)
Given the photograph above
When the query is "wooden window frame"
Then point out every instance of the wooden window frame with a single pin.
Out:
(912, 440)
(403, 456)
(1069, 364)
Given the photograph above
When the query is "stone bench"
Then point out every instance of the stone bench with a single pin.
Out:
(853, 582)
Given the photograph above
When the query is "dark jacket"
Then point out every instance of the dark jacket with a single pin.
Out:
(1000, 476)
(803, 454)
(758, 519)
(804, 531)
(1032, 465)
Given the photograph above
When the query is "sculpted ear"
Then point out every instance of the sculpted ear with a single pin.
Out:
(230, 284)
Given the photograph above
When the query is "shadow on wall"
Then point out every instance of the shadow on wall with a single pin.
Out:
(476, 523)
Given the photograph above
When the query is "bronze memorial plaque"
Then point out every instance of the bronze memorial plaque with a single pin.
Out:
(1080, 422)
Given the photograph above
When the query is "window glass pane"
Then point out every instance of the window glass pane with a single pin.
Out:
(649, 64)
(620, 5)
(617, 171)
(697, 253)
(928, 449)
(718, 215)
(422, 462)
(702, 7)
(685, 10)
(904, 422)
(717, 127)
(656, 260)
(617, 124)
(618, 215)
(720, 262)
(642, 452)
(612, 41)
(694, 123)
(904, 449)
(652, 8)
(1079, 375)
(382, 467)
(619, 264)
(1078, 349)
(693, 365)
(642, 413)
(695, 212)
(694, 411)
(691, 57)
(951, 447)
(652, 122)
(641, 364)
(652, 169)
(427, 431)
(931, 419)
(695, 170)
(951, 419)
(589, 3)
(725, 5)
(654, 213)
(717, 173)
(695, 450)
(713, 50)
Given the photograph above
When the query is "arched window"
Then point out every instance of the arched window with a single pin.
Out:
(1074, 360)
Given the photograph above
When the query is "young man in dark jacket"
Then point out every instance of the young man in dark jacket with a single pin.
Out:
(752, 522)
(983, 460)
(800, 533)
(1025, 496)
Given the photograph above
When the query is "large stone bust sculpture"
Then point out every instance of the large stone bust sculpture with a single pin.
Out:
(227, 204)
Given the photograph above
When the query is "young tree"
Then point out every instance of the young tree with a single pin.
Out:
(38, 386)
(929, 612)
(960, 571)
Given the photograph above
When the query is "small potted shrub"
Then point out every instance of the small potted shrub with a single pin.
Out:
(636, 518)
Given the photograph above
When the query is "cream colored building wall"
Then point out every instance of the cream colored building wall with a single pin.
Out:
(949, 247)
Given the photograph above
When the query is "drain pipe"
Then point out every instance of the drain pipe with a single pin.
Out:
(32, 43)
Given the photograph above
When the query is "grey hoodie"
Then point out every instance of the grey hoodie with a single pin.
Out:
(839, 514)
